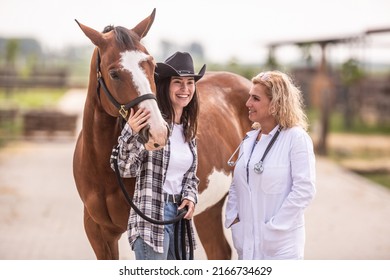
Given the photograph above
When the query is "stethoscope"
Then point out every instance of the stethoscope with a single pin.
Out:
(230, 161)
(258, 167)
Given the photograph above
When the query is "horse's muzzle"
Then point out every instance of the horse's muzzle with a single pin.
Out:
(145, 136)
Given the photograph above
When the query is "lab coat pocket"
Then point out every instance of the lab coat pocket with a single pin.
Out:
(279, 244)
(237, 237)
(274, 179)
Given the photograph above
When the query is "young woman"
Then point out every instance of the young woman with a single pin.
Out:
(166, 179)
(274, 176)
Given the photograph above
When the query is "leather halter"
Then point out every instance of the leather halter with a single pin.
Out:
(123, 109)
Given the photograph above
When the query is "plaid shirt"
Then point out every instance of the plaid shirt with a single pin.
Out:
(149, 168)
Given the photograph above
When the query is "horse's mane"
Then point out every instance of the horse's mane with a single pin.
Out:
(122, 35)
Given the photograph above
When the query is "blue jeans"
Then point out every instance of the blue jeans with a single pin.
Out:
(145, 252)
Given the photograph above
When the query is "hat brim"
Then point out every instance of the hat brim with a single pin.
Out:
(164, 71)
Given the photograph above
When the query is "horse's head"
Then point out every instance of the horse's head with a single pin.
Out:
(125, 73)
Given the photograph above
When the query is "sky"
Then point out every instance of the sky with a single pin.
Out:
(225, 28)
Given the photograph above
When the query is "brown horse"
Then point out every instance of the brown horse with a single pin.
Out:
(119, 58)
(122, 76)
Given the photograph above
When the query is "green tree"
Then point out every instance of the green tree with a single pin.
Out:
(11, 55)
(350, 75)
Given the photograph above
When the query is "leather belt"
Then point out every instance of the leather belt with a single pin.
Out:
(175, 198)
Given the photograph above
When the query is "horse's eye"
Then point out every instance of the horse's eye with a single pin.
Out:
(114, 75)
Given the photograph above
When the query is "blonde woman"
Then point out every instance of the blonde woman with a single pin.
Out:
(274, 175)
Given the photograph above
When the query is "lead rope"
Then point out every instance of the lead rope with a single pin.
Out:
(185, 224)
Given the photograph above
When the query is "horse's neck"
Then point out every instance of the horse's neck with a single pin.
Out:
(100, 130)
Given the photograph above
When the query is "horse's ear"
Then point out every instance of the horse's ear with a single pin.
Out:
(95, 36)
(143, 27)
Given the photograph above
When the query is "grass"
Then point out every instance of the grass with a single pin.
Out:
(22, 100)
(30, 98)
(336, 124)
(382, 179)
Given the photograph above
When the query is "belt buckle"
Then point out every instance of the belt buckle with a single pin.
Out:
(168, 197)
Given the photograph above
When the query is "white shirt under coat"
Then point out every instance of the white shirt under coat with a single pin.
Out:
(180, 161)
(271, 207)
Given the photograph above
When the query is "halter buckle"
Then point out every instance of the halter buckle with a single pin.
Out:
(123, 112)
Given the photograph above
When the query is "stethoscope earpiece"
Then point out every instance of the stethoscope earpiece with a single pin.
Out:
(232, 163)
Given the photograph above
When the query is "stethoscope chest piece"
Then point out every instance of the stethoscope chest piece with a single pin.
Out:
(258, 167)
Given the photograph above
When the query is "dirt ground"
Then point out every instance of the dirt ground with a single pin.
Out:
(41, 213)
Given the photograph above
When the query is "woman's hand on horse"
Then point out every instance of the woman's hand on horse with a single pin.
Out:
(138, 120)
(190, 206)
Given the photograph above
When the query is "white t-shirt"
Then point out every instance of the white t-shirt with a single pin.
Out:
(180, 161)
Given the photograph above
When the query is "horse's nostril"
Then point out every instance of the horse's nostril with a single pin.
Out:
(156, 145)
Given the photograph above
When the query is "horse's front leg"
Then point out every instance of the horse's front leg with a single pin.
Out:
(103, 241)
(209, 226)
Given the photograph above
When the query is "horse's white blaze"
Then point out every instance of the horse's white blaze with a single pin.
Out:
(218, 186)
(131, 61)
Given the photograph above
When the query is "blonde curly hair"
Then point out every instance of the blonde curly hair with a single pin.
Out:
(286, 99)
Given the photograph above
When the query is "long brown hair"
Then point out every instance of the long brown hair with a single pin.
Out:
(189, 118)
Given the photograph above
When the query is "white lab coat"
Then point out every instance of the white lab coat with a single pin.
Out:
(271, 207)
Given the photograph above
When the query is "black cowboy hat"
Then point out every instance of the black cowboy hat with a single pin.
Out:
(178, 64)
